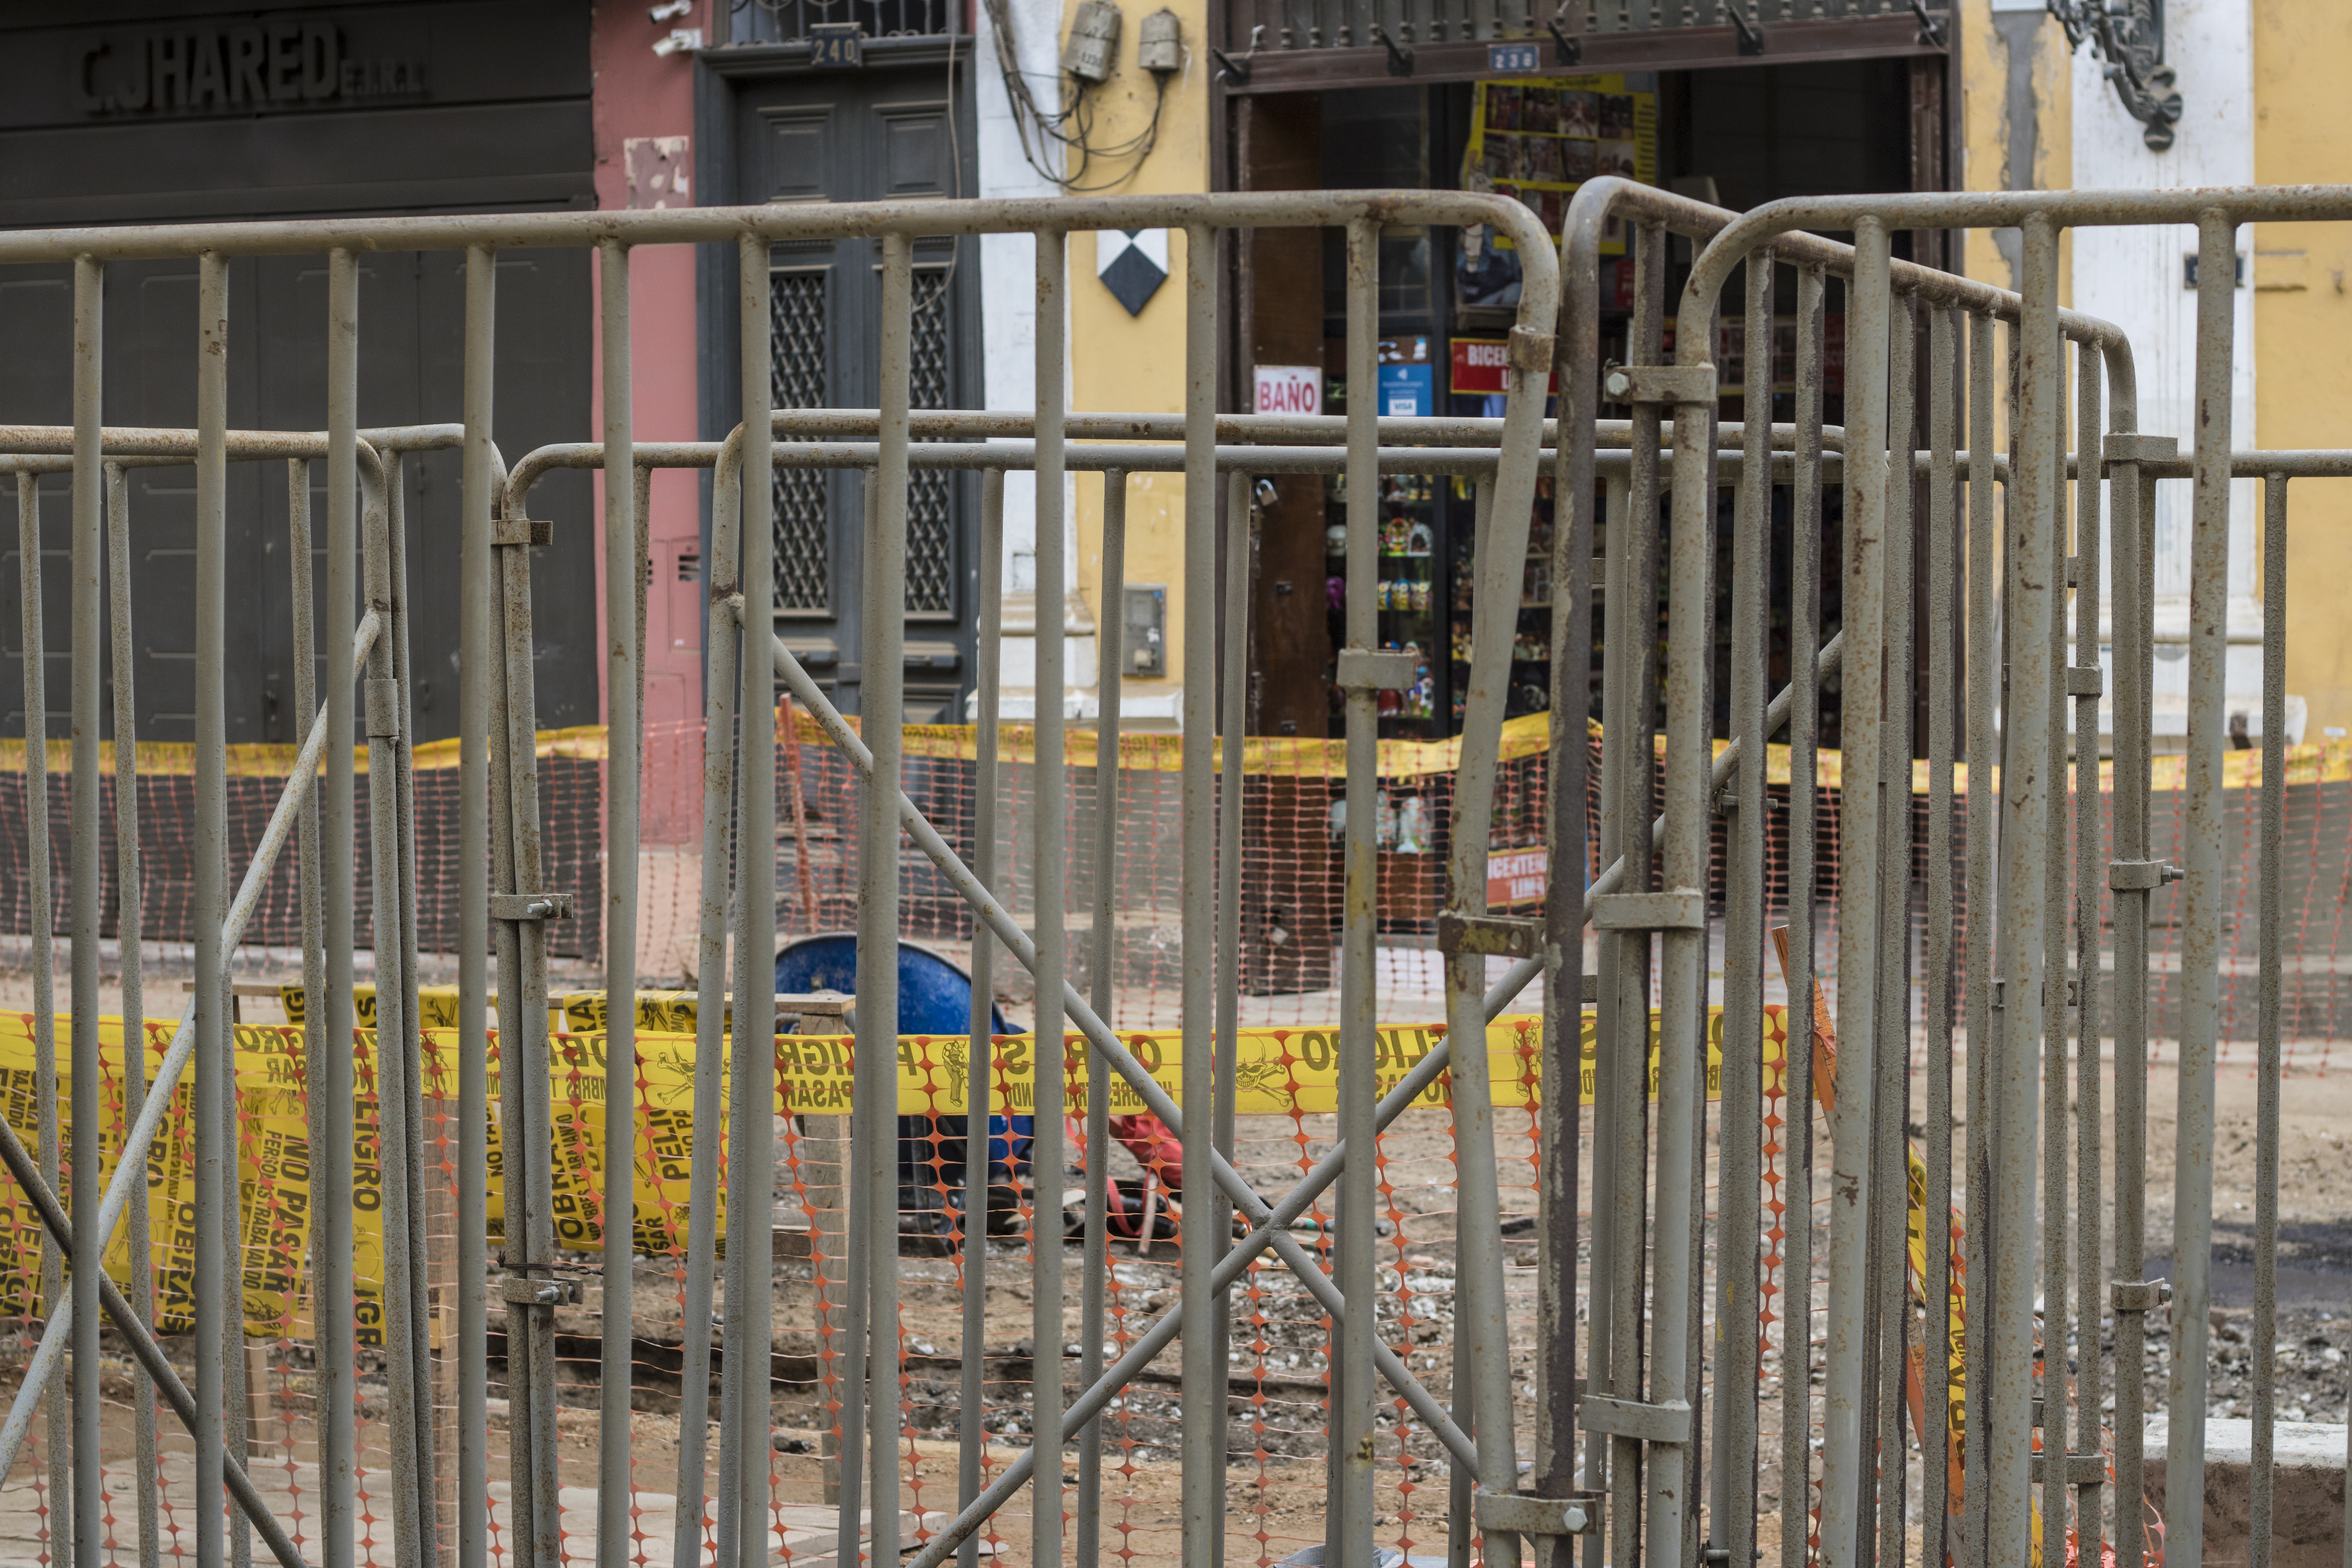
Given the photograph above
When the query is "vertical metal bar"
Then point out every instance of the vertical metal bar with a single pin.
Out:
(1050, 852)
(477, 679)
(1942, 688)
(129, 929)
(859, 1192)
(41, 897)
(1350, 1525)
(404, 762)
(397, 1098)
(971, 1439)
(1732, 1507)
(2051, 868)
(1202, 1381)
(2090, 881)
(1983, 663)
(2266, 1069)
(530, 1176)
(1844, 1464)
(1626, 983)
(1893, 1048)
(1461, 1532)
(87, 1088)
(336, 1083)
(515, 1127)
(2132, 501)
(1240, 553)
(1608, 977)
(215, 1066)
(1682, 968)
(624, 580)
(2201, 951)
(2025, 783)
(1110, 621)
(883, 698)
(1481, 1313)
(1805, 729)
(722, 635)
(751, 1168)
(1566, 838)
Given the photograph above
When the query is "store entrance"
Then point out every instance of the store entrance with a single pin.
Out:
(1448, 297)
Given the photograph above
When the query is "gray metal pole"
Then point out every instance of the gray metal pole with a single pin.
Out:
(1845, 1468)
(881, 694)
(2201, 953)
(1732, 1507)
(859, 1191)
(2051, 868)
(216, 1068)
(752, 1168)
(1892, 1050)
(1109, 625)
(41, 898)
(623, 582)
(1203, 1382)
(2272, 858)
(2030, 610)
(1049, 856)
(1568, 843)
(971, 1436)
(723, 638)
(1804, 715)
(1480, 1312)
(88, 1091)
(1982, 657)
(129, 929)
(398, 1100)
(2085, 1464)
(476, 679)
(1943, 681)
(1348, 1529)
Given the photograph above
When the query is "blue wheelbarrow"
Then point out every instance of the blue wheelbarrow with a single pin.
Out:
(934, 998)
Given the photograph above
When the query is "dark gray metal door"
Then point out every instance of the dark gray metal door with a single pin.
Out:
(870, 135)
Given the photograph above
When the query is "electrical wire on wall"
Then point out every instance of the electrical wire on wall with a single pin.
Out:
(1086, 62)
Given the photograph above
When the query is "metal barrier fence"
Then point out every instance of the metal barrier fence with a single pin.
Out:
(500, 828)
(2034, 1469)
(1668, 1470)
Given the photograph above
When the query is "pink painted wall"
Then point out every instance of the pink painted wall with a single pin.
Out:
(643, 118)
(640, 97)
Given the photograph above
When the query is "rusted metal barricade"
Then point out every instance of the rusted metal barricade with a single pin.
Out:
(1665, 1473)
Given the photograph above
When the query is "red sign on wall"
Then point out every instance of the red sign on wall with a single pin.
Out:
(1518, 876)
(1481, 366)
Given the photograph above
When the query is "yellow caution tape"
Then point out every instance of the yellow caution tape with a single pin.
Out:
(1281, 1072)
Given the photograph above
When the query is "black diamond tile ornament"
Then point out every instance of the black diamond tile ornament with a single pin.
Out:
(1132, 264)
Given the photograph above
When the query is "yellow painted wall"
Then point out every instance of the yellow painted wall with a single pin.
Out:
(2302, 332)
(1126, 363)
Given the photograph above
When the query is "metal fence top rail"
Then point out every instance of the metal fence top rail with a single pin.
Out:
(1599, 200)
(2006, 209)
(705, 226)
(142, 441)
(1468, 462)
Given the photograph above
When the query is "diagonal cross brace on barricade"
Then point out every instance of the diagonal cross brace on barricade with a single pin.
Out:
(130, 1168)
(143, 1342)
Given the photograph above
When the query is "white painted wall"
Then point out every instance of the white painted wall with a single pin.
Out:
(1008, 292)
(2133, 278)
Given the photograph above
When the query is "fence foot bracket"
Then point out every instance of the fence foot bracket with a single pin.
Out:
(1680, 908)
(1495, 936)
(531, 906)
(1669, 1422)
(1362, 669)
(1662, 383)
(1524, 1513)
